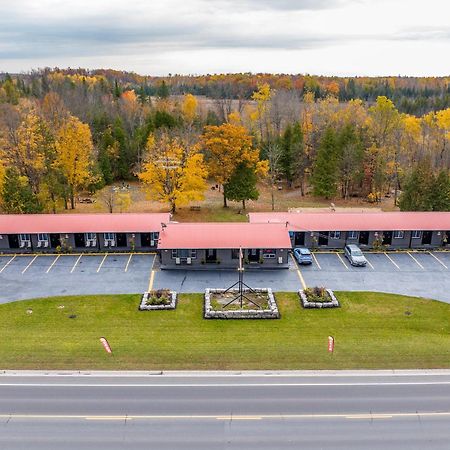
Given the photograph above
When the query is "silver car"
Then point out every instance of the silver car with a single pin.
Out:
(355, 256)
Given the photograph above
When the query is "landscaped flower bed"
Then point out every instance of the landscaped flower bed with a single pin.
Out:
(264, 305)
(318, 297)
(158, 299)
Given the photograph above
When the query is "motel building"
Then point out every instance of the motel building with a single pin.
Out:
(334, 230)
(50, 233)
(217, 245)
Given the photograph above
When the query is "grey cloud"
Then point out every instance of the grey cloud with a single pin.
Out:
(423, 33)
(289, 5)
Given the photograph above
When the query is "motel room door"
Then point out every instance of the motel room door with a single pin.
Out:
(55, 240)
(80, 240)
(299, 238)
(13, 240)
(253, 254)
(323, 238)
(121, 239)
(387, 238)
(363, 238)
(426, 237)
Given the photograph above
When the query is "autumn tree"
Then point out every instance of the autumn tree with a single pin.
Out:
(2, 176)
(273, 154)
(262, 96)
(226, 146)
(175, 172)
(189, 108)
(242, 185)
(416, 195)
(74, 153)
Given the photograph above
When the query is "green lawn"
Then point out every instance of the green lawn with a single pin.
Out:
(371, 331)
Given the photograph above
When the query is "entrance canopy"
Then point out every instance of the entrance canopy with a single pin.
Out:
(224, 236)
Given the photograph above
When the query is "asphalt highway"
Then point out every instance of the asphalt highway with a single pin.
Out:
(366, 410)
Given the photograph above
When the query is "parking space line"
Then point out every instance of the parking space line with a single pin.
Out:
(437, 259)
(391, 260)
(315, 260)
(128, 262)
(418, 263)
(370, 264)
(299, 273)
(76, 262)
(342, 261)
(29, 264)
(152, 276)
(101, 264)
(8, 263)
(52, 264)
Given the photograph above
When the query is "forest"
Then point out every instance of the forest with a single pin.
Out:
(66, 132)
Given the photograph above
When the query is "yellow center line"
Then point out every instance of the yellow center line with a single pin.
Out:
(76, 262)
(52, 264)
(29, 264)
(342, 261)
(438, 260)
(8, 263)
(391, 260)
(152, 276)
(128, 262)
(101, 264)
(300, 276)
(418, 263)
(315, 260)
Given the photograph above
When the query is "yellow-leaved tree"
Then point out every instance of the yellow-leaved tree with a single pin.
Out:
(189, 108)
(175, 172)
(2, 176)
(74, 154)
(227, 146)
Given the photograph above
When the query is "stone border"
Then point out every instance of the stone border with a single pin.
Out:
(271, 313)
(171, 305)
(334, 303)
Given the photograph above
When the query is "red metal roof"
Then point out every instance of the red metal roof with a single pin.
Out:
(223, 235)
(357, 221)
(81, 223)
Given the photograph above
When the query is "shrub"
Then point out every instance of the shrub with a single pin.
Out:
(317, 294)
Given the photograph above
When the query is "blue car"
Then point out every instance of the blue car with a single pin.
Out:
(303, 255)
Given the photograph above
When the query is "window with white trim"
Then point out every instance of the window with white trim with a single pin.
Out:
(42, 237)
(399, 234)
(25, 240)
(174, 254)
(416, 234)
(352, 235)
(109, 236)
(335, 234)
(235, 253)
(184, 253)
(193, 254)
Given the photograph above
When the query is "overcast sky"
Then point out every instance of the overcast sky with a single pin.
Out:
(330, 37)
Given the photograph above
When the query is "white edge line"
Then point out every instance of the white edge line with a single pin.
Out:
(223, 385)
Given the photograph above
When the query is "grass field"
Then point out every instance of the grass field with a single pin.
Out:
(371, 331)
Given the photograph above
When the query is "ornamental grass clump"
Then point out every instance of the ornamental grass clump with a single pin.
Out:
(317, 294)
(159, 297)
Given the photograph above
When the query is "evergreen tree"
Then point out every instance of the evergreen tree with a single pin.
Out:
(163, 90)
(324, 178)
(17, 196)
(242, 185)
(292, 160)
(417, 190)
(440, 192)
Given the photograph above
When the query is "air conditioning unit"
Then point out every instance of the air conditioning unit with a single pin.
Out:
(28, 244)
(45, 244)
(112, 243)
(177, 261)
(22, 244)
(280, 260)
(189, 260)
(39, 244)
(152, 243)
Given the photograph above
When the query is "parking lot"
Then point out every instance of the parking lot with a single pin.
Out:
(30, 276)
(420, 274)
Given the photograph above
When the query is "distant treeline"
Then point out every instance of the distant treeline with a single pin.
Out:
(411, 95)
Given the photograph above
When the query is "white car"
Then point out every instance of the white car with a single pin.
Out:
(355, 256)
